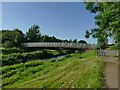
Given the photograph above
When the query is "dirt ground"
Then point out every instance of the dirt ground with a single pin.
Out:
(111, 72)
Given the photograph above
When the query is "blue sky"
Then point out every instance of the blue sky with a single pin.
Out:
(64, 20)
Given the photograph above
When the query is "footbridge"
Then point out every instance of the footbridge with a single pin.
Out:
(58, 44)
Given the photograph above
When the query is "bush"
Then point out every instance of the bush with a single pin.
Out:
(16, 66)
(12, 50)
(15, 58)
(33, 63)
(8, 44)
(5, 69)
(60, 59)
(8, 74)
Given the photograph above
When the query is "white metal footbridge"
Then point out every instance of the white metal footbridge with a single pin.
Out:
(59, 44)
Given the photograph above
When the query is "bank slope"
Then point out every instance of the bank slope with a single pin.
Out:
(72, 71)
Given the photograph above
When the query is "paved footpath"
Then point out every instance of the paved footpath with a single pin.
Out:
(111, 72)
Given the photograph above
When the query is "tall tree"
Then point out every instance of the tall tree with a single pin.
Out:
(70, 41)
(74, 40)
(19, 37)
(33, 34)
(107, 18)
(45, 38)
(53, 39)
(14, 37)
(82, 41)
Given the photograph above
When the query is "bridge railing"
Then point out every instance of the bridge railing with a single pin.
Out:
(107, 52)
(58, 44)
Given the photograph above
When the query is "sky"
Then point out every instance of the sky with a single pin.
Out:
(64, 20)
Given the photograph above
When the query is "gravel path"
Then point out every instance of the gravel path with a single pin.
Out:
(111, 72)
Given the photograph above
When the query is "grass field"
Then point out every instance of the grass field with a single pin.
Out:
(72, 71)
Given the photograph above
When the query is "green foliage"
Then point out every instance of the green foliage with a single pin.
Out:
(24, 57)
(8, 44)
(107, 19)
(113, 47)
(11, 50)
(74, 40)
(34, 63)
(12, 38)
(77, 51)
(82, 41)
(55, 52)
(15, 58)
(33, 34)
(88, 54)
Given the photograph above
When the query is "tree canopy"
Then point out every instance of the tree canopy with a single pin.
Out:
(107, 19)
(82, 41)
(33, 34)
(14, 38)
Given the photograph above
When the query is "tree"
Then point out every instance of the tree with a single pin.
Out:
(70, 41)
(45, 38)
(19, 37)
(16, 37)
(53, 39)
(8, 44)
(33, 34)
(82, 41)
(107, 19)
(74, 40)
(65, 41)
(101, 35)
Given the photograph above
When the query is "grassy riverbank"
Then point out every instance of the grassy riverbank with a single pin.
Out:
(72, 71)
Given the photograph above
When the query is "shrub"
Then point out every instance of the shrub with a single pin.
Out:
(8, 74)
(8, 44)
(12, 50)
(16, 58)
(33, 63)
(60, 59)
(16, 66)
(5, 69)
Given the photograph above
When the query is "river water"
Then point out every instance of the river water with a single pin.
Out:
(53, 58)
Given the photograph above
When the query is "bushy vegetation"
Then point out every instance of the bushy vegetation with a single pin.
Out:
(12, 38)
(65, 72)
(15, 58)
(11, 50)
(112, 47)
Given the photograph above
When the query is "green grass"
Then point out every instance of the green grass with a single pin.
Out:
(71, 71)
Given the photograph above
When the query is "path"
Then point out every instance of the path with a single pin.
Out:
(111, 72)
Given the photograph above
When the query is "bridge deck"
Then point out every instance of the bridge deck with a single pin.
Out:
(58, 44)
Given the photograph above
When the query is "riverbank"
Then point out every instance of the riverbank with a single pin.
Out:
(73, 71)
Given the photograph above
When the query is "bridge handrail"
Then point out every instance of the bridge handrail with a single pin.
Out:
(58, 44)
